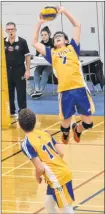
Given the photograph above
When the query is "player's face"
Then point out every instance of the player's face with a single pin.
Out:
(11, 31)
(45, 36)
(59, 40)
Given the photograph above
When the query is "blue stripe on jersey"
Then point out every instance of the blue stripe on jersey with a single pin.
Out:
(70, 189)
(53, 141)
(48, 55)
(51, 191)
(28, 149)
(75, 46)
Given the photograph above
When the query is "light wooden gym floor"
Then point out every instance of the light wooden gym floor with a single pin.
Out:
(21, 193)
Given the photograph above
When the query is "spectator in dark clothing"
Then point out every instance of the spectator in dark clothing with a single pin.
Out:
(16, 50)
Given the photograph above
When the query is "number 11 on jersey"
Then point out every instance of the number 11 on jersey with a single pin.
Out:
(46, 149)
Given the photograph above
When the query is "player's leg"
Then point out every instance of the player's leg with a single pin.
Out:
(67, 109)
(65, 197)
(78, 127)
(50, 202)
(65, 129)
(67, 209)
(85, 107)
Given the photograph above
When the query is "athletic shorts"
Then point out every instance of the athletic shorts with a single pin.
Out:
(62, 195)
(75, 100)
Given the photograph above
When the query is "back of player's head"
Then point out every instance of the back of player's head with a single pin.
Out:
(62, 33)
(27, 120)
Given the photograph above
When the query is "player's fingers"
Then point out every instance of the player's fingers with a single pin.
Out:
(40, 15)
(58, 9)
(45, 181)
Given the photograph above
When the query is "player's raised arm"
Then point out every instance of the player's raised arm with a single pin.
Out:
(37, 45)
(74, 22)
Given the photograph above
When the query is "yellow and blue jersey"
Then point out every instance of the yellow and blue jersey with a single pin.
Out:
(63, 195)
(66, 64)
(74, 95)
(41, 144)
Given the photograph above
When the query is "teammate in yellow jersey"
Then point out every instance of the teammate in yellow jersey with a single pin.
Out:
(46, 155)
(64, 58)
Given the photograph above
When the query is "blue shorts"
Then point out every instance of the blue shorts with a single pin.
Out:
(63, 195)
(75, 100)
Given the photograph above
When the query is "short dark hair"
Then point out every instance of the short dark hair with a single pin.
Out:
(65, 36)
(46, 29)
(27, 120)
(11, 23)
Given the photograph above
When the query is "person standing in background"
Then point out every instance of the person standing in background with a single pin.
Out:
(17, 52)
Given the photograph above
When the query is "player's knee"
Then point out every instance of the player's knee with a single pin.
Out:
(49, 203)
(65, 129)
(86, 125)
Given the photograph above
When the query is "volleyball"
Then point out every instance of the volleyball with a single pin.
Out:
(49, 12)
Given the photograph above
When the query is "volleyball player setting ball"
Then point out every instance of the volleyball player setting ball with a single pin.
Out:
(64, 58)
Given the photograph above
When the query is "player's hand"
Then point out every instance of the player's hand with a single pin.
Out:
(45, 181)
(60, 9)
(41, 20)
(39, 179)
(27, 75)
